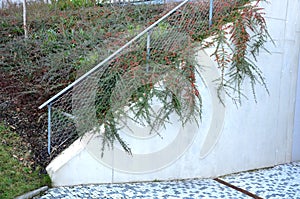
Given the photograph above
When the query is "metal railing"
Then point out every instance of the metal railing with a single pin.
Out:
(61, 109)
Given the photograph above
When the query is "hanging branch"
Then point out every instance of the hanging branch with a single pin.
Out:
(238, 37)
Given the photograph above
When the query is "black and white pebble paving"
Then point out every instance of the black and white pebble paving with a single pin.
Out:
(186, 189)
(282, 181)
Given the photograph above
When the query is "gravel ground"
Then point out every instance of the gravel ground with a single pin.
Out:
(282, 181)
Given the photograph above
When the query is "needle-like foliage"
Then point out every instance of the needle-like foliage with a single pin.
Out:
(147, 82)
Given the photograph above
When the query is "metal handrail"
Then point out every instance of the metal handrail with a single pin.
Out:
(55, 97)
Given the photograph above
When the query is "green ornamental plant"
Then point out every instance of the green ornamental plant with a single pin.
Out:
(70, 37)
(237, 36)
(133, 86)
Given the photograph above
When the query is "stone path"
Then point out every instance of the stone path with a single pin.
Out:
(282, 181)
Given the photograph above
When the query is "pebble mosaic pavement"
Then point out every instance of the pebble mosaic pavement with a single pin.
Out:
(281, 181)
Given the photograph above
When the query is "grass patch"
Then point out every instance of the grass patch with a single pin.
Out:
(16, 174)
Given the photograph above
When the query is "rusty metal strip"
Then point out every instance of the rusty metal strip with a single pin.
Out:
(237, 188)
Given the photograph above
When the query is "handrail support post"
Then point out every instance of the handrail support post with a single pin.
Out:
(211, 7)
(49, 128)
(148, 49)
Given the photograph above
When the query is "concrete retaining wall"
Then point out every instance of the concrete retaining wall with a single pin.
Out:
(229, 139)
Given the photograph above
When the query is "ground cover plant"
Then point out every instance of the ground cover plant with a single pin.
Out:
(64, 41)
(16, 172)
(59, 41)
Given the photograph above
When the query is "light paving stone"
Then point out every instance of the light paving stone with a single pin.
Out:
(282, 181)
(186, 189)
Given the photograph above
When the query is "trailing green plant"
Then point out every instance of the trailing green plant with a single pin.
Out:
(68, 40)
(131, 84)
(238, 37)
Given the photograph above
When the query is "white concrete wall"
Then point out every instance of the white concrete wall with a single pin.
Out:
(229, 140)
(286, 24)
(296, 137)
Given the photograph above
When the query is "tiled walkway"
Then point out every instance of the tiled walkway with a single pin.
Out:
(282, 181)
